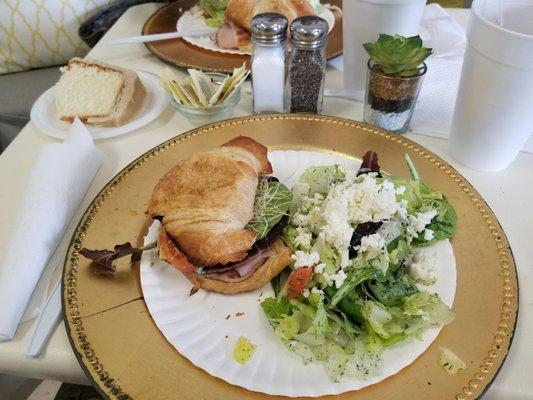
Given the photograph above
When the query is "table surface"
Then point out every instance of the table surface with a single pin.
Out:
(509, 193)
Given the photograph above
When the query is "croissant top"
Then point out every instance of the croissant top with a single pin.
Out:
(206, 201)
(241, 12)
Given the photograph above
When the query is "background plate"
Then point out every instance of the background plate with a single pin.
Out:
(126, 356)
(184, 54)
(197, 326)
(43, 114)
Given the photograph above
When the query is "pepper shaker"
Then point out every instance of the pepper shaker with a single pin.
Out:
(306, 65)
(269, 31)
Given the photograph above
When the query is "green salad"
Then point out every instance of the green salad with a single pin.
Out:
(355, 287)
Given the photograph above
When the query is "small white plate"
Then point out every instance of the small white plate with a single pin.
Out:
(43, 114)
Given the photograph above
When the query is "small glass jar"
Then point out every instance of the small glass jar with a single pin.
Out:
(306, 65)
(269, 31)
(390, 100)
(206, 115)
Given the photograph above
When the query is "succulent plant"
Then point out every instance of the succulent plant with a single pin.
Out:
(398, 55)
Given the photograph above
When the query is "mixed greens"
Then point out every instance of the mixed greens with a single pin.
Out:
(215, 12)
(352, 289)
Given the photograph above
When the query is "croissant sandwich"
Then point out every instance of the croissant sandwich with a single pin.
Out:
(235, 32)
(222, 217)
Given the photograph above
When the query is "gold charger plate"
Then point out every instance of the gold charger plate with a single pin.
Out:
(126, 357)
(183, 54)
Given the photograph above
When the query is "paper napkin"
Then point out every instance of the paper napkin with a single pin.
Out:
(434, 109)
(58, 182)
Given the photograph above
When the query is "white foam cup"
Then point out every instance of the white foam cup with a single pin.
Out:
(493, 115)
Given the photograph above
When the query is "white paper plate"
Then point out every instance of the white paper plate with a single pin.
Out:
(194, 20)
(43, 114)
(197, 326)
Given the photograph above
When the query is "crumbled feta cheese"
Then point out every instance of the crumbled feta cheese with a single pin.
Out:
(400, 190)
(316, 290)
(388, 185)
(305, 293)
(337, 229)
(303, 259)
(319, 268)
(300, 219)
(339, 278)
(303, 239)
(374, 241)
(345, 258)
(358, 200)
(350, 176)
(402, 213)
(390, 230)
(419, 222)
(421, 268)
(372, 201)
(326, 222)
(428, 234)
(317, 198)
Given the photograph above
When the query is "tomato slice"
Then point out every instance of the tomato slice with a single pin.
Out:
(298, 280)
(170, 252)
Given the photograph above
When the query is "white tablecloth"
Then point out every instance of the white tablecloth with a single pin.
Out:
(509, 193)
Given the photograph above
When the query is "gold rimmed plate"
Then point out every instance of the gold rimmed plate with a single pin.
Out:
(183, 54)
(126, 356)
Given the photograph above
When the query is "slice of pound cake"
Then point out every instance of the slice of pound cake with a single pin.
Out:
(98, 93)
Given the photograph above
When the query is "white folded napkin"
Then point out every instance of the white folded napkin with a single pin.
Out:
(434, 109)
(58, 181)
(436, 102)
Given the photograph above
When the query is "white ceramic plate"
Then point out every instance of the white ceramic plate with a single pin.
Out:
(44, 117)
(194, 20)
(198, 327)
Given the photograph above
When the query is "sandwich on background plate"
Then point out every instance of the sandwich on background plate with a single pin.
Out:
(233, 17)
(222, 218)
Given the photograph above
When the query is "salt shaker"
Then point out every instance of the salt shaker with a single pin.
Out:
(306, 65)
(269, 31)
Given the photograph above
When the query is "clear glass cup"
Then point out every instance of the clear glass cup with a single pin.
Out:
(390, 100)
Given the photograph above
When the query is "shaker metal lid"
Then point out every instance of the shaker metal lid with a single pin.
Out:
(309, 32)
(269, 28)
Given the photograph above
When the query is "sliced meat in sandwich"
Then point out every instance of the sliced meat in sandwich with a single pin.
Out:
(222, 218)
